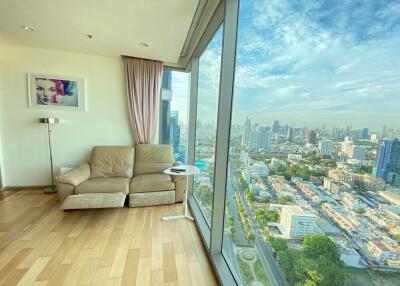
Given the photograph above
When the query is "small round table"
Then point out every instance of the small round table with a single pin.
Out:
(185, 170)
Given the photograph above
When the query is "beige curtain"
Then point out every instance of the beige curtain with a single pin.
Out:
(143, 87)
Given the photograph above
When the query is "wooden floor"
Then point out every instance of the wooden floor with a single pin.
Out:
(42, 245)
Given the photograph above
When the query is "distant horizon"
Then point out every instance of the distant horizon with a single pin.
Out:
(311, 64)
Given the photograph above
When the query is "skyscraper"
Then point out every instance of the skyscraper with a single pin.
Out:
(326, 147)
(365, 133)
(290, 134)
(175, 131)
(246, 132)
(388, 162)
(166, 96)
(254, 138)
(275, 126)
(265, 138)
(311, 137)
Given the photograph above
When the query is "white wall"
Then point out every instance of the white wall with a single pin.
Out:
(24, 147)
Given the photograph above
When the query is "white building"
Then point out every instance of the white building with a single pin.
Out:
(326, 147)
(260, 169)
(296, 222)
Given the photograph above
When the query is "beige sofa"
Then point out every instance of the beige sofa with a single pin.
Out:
(115, 172)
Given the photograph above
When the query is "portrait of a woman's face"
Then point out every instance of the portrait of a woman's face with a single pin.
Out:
(46, 91)
(56, 92)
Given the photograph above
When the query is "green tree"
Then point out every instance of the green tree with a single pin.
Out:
(284, 260)
(333, 273)
(278, 244)
(283, 200)
(320, 245)
(360, 210)
(272, 216)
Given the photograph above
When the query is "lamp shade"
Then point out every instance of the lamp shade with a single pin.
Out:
(49, 120)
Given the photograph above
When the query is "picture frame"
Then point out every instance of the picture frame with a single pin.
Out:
(56, 92)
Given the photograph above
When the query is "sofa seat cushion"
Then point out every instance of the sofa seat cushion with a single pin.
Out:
(151, 183)
(104, 185)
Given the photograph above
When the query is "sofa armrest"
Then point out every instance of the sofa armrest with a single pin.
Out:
(76, 176)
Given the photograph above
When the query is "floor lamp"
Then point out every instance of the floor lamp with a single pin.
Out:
(49, 121)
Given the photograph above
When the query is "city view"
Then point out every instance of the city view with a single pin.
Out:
(313, 188)
(286, 183)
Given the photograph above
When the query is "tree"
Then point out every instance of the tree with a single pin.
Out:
(316, 246)
(272, 216)
(284, 260)
(278, 244)
(251, 236)
(360, 210)
(285, 199)
(333, 273)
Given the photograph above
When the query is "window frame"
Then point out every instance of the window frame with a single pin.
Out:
(226, 14)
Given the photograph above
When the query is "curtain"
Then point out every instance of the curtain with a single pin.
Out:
(143, 88)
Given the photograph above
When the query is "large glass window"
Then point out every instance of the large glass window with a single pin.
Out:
(174, 117)
(207, 108)
(314, 123)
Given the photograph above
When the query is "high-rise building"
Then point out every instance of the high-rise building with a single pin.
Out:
(384, 131)
(326, 147)
(265, 138)
(290, 134)
(166, 96)
(388, 162)
(357, 152)
(246, 132)
(311, 137)
(175, 131)
(275, 126)
(296, 222)
(365, 133)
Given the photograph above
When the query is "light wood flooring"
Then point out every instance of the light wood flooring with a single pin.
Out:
(42, 245)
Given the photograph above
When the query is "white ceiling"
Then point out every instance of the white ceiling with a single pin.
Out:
(118, 26)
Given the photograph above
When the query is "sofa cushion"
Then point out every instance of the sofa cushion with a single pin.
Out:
(151, 183)
(104, 185)
(112, 162)
(152, 159)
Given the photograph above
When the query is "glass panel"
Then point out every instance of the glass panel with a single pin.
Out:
(207, 108)
(313, 142)
(174, 106)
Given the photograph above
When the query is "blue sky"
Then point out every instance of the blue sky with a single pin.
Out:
(309, 63)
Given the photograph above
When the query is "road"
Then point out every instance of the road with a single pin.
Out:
(274, 271)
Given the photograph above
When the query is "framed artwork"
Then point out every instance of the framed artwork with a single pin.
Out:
(56, 92)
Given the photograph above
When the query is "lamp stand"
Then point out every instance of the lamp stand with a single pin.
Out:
(52, 188)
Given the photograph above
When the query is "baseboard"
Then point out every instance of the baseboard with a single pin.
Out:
(14, 188)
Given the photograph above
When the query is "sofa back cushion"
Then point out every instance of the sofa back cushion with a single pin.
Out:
(112, 161)
(152, 158)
